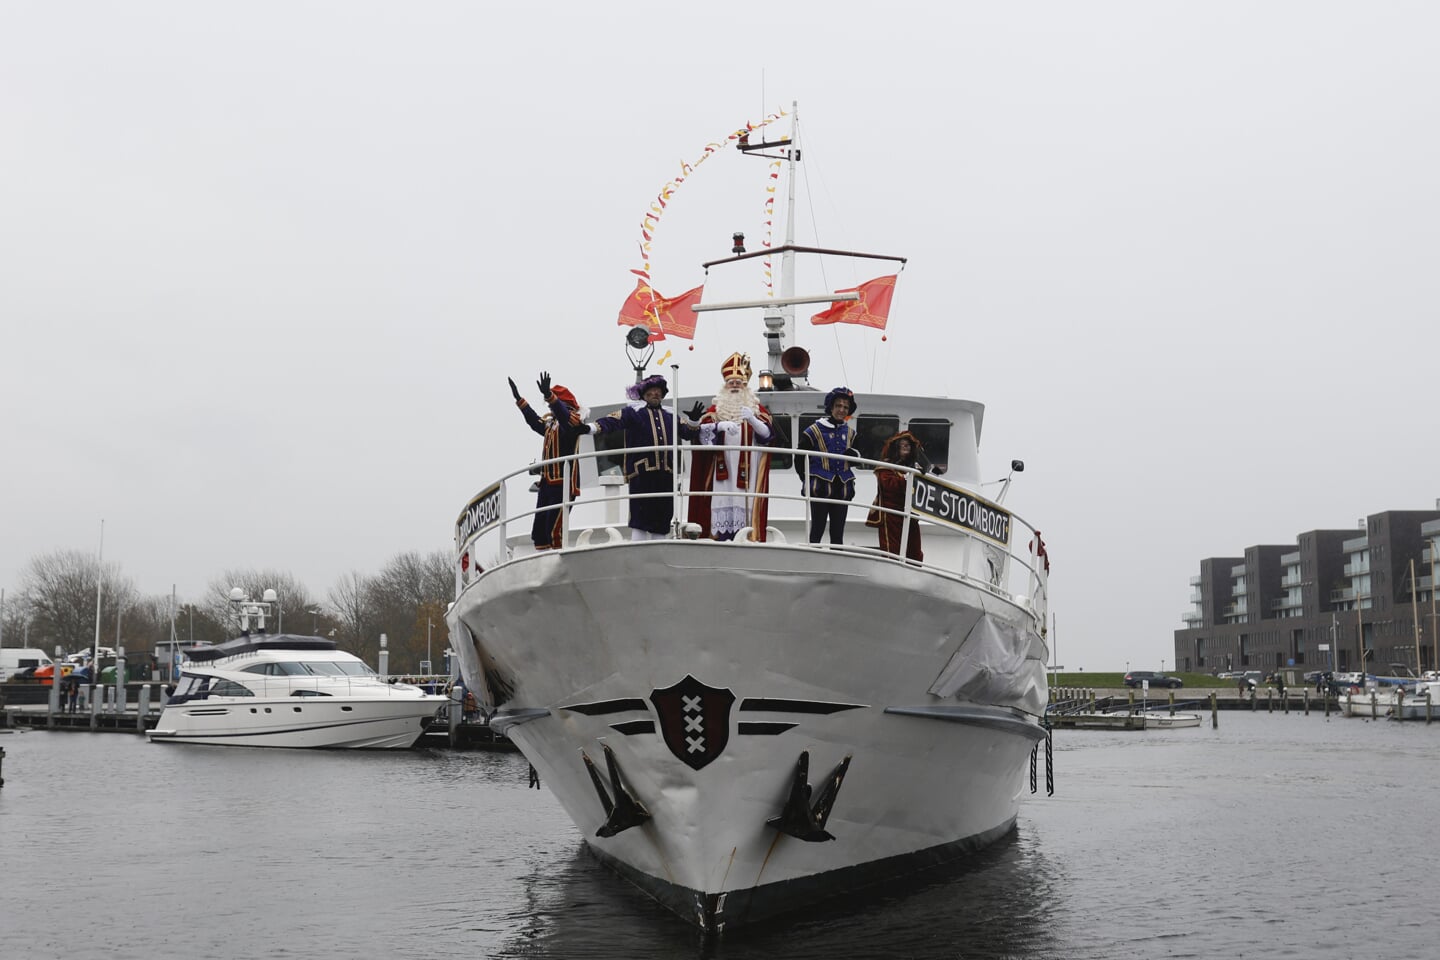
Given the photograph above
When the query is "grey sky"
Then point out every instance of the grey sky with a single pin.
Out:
(264, 267)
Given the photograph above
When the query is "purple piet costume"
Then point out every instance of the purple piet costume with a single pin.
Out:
(649, 471)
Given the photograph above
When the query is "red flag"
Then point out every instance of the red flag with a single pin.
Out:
(664, 316)
(871, 310)
(1037, 547)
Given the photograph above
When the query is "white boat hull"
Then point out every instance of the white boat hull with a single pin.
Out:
(932, 687)
(315, 722)
(1387, 704)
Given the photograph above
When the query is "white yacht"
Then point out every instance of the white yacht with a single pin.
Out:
(744, 727)
(283, 690)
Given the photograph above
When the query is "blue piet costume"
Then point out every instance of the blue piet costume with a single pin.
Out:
(826, 477)
(649, 471)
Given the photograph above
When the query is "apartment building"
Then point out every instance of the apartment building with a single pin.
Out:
(1328, 601)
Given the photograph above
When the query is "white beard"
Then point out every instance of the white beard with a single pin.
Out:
(729, 402)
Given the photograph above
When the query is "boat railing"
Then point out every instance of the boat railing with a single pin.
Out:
(489, 515)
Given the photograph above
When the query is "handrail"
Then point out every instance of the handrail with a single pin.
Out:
(907, 513)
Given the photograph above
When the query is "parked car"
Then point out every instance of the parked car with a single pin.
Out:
(1136, 677)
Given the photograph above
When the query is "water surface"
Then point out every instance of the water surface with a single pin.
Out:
(1275, 835)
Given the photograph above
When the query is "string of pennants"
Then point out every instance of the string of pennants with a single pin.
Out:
(673, 316)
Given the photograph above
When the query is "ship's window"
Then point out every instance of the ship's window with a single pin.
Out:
(612, 445)
(324, 668)
(935, 435)
(351, 669)
(229, 688)
(308, 693)
(783, 438)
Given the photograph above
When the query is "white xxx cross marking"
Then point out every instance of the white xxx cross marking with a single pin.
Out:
(696, 744)
(691, 703)
(693, 724)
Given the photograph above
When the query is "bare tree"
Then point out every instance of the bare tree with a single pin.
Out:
(350, 599)
(59, 594)
(408, 599)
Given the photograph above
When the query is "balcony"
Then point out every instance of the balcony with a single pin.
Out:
(1192, 618)
(1357, 569)
(1290, 580)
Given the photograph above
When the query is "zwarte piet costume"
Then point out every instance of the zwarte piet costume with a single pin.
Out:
(561, 428)
(890, 492)
(649, 471)
(829, 481)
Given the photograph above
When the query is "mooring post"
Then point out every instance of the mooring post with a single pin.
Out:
(1214, 712)
(1172, 703)
(1427, 706)
(142, 709)
(56, 702)
(1374, 706)
(1307, 701)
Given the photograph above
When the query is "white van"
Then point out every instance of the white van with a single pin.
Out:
(18, 658)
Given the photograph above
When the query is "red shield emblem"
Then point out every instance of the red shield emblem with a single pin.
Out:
(694, 720)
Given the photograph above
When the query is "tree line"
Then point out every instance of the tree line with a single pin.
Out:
(406, 601)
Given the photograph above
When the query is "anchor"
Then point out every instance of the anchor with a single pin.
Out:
(799, 819)
(624, 811)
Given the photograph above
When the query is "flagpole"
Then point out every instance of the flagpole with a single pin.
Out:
(675, 445)
(1415, 612)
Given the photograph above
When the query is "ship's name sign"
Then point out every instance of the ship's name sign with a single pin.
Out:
(480, 514)
(962, 509)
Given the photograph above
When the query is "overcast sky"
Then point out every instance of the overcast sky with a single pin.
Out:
(264, 267)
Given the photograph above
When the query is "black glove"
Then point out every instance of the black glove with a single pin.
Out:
(697, 411)
(544, 384)
(513, 389)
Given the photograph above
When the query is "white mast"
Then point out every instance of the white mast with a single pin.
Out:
(780, 318)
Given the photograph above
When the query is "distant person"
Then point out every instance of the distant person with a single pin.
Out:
(1279, 683)
(72, 693)
(648, 424)
(822, 476)
(561, 428)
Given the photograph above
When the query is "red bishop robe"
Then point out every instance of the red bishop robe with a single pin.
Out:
(752, 474)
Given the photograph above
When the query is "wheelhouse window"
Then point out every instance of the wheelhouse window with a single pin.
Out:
(610, 451)
(935, 436)
(329, 668)
(229, 688)
(782, 439)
